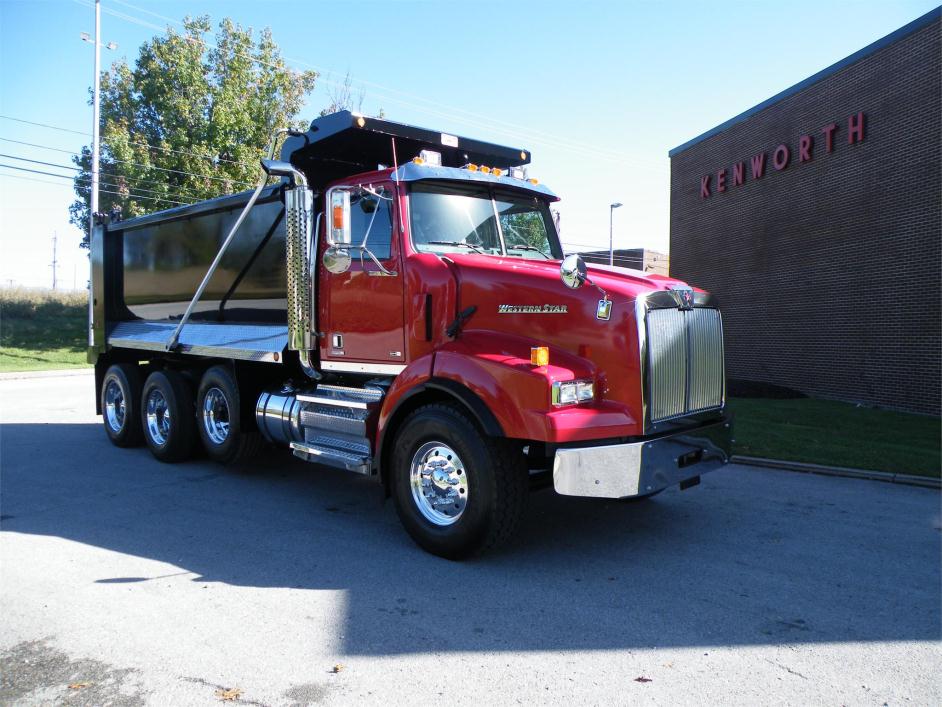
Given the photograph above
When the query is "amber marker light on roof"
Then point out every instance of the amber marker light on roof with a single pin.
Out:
(539, 356)
(523, 155)
(472, 167)
(361, 121)
(534, 181)
(497, 172)
(485, 170)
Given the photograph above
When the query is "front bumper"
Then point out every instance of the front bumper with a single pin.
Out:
(638, 468)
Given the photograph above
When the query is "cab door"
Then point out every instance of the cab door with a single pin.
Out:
(362, 308)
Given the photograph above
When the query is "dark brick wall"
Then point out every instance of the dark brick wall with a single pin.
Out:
(828, 272)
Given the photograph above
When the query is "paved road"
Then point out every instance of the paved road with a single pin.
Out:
(161, 584)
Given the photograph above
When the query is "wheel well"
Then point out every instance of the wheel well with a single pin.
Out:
(434, 391)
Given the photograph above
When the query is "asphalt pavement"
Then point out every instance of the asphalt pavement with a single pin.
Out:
(139, 582)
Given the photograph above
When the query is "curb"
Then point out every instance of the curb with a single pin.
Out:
(19, 375)
(885, 476)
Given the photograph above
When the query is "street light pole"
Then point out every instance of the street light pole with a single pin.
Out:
(96, 149)
(96, 114)
(611, 242)
(96, 117)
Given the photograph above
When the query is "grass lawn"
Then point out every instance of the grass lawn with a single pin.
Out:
(837, 434)
(41, 329)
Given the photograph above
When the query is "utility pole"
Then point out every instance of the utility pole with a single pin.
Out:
(96, 113)
(55, 262)
(96, 143)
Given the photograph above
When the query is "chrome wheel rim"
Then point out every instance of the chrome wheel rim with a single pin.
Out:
(439, 483)
(115, 406)
(216, 416)
(158, 417)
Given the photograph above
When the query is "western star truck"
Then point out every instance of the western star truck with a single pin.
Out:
(395, 302)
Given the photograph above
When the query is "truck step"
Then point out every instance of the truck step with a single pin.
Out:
(331, 456)
(344, 397)
(359, 446)
(351, 421)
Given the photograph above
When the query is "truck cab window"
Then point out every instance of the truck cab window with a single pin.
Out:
(371, 218)
(456, 219)
(524, 223)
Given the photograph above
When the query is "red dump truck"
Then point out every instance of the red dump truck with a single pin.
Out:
(395, 302)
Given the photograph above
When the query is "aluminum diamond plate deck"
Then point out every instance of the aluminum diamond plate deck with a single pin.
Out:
(249, 342)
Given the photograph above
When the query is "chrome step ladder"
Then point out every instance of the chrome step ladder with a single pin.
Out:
(335, 420)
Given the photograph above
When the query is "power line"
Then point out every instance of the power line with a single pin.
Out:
(134, 180)
(61, 184)
(137, 164)
(211, 158)
(65, 176)
(45, 125)
(476, 118)
(140, 180)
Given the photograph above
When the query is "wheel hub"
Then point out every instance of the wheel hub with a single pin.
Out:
(158, 417)
(216, 415)
(439, 483)
(115, 409)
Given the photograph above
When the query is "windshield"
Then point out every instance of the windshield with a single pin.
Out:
(451, 218)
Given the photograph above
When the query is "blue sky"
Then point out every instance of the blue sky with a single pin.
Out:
(598, 91)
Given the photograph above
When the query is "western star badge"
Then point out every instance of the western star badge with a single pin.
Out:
(604, 310)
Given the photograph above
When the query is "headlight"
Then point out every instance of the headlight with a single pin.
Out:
(572, 392)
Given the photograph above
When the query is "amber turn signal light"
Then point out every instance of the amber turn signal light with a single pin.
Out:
(539, 356)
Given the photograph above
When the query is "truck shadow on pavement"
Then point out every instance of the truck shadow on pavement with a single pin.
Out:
(748, 557)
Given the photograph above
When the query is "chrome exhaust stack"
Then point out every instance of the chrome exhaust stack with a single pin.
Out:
(299, 207)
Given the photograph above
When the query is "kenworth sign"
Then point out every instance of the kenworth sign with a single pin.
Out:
(724, 179)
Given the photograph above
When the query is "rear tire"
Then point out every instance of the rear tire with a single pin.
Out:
(167, 417)
(121, 404)
(457, 492)
(219, 419)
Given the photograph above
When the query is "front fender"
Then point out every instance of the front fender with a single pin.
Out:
(496, 368)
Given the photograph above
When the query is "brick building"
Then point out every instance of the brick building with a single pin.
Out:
(816, 217)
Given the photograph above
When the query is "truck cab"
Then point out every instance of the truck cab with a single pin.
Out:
(436, 337)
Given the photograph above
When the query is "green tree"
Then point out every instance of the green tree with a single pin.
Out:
(190, 120)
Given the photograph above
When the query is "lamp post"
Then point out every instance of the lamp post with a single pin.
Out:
(96, 111)
(96, 148)
(611, 242)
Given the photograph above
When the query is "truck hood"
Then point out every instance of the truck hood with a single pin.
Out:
(528, 305)
(518, 281)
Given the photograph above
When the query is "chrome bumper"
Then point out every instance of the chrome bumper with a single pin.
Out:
(623, 470)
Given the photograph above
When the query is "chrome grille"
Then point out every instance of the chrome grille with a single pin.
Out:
(705, 332)
(685, 362)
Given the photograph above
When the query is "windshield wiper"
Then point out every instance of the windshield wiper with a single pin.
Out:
(476, 249)
(529, 247)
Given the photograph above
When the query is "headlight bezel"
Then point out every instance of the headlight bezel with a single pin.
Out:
(572, 392)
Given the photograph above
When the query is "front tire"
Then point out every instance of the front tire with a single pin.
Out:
(219, 419)
(457, 492)
(121, 404)
(167, 417)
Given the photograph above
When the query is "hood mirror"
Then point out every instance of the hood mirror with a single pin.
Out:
(337, 260)
(573, 271)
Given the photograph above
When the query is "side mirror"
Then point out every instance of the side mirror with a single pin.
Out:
(340, 229)
(573, 271)
(337, 260)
